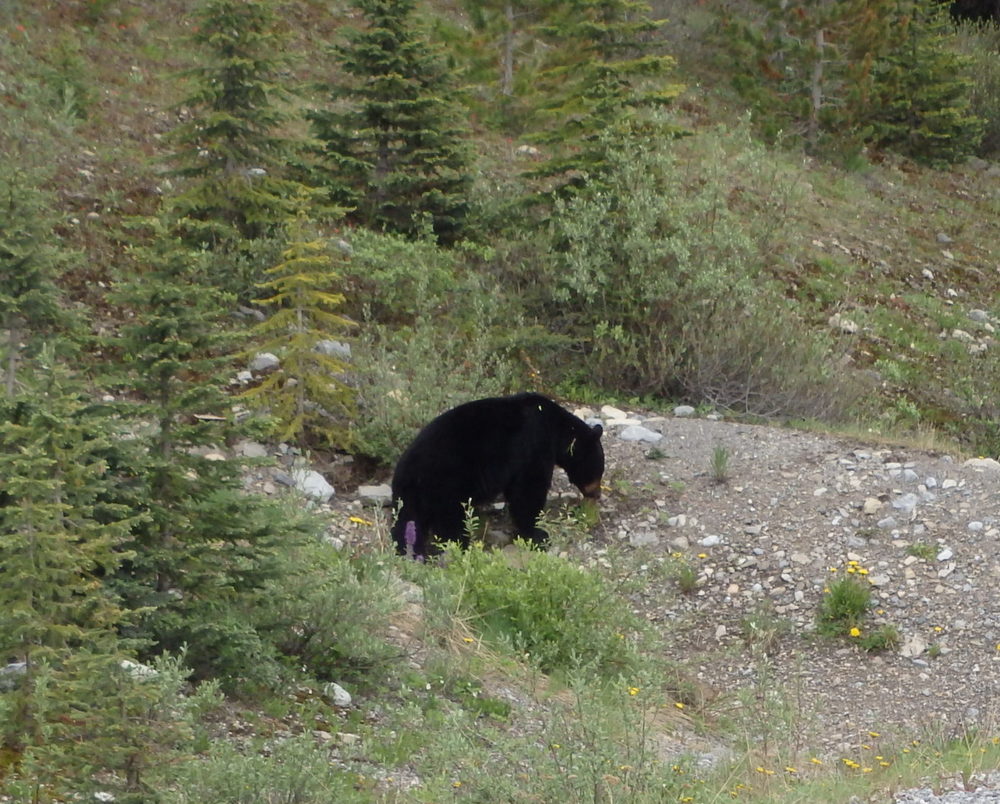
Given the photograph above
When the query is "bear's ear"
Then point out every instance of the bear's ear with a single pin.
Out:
(598, 430)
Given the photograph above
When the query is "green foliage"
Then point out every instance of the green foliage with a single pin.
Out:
(409, 376)
(230, 150)
(602, 72)
(307, 395)
(840, 75)
(979, 46)
(719, 464)
(561, 617)
(659, 275)
(290, 770)
(883, 638)
(921, 105)
(393, 145)
(327, 614)
(843, 607)
(29, 265)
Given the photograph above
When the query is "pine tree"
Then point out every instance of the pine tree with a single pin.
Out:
(604, 73)
(30, 262)
(393, 146)
(305, 395)
(922, 92)
(205, 543)
(59, 536)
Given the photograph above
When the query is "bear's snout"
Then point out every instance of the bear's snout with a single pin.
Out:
(592, 491)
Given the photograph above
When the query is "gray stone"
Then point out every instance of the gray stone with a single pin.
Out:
(337, 349)
(251, 449)
(637, 432)
(375, 495)
(945, 554)
(983, 464)
(265, 361)
(312, 484)
(336, 694)
(710, 541)
(683, 411)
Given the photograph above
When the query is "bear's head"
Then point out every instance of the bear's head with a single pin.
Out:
(583, 460)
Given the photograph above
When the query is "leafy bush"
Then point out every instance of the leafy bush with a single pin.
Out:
(561, 616)
(980, 45)
(328, 613)
(291, 770)
(661, 279)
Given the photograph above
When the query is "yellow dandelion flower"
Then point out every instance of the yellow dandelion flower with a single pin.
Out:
(816, 761)
(852, 563)
(885, 764)
(852, 570)
(938, 629)
(862, 571)
(833, 569)
(633, 690)
(702, 555)
(456, 784)
(866, 770)
(359, 521)
(855, 632)
(624, 767)
(678, 704)
(866, 747)
(468, 640)
(556, 746)
(906, 750)
(874, 734)
(790, 769)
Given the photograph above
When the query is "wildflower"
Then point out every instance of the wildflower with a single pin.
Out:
(862, 571)
(468, 640)
(885, 764)
(850, 763)
(852, 570)
(866, 747)
(456, 783)
(855, 632)
(678, 704)
(556, 746)
(633, 690)
(938, 628)
(765, 771)
(906, 750)
(866, 770)
(816, 761)
(833, 569)
(702, 555)
(357, 520)
(874, 734)
(790, 769)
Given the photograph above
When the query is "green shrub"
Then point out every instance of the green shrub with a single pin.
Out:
(562, 617)
(328, 614)
(291, 770)
(661, 279)
(980, 45)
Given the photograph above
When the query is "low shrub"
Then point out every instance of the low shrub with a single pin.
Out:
(562, 617)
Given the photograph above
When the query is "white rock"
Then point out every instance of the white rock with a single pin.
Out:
(683, 411)
(643, 538)
(265, 361)
(982, 464)
(913, 647)
(337, 694)
(609, 412)
(638, 433)
(975, 526)
(337, 349)
(375, 495)
(251, 449)
(872, 506)
(945, 554)
(312, 484)
(710, 541)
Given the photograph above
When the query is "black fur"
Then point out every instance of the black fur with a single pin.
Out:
(480, 450)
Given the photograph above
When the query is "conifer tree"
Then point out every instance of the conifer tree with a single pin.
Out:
(204, 542)
(30, 261)
(604, 72)
(59, 536)
(306, 395)
(922, 100)
(393, 146)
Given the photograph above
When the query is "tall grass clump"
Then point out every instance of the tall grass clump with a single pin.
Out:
(562, 617)
(662, 277)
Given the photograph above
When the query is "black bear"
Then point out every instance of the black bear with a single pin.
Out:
(477, 451)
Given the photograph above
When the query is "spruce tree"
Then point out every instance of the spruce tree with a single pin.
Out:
(922, 100)
(204, 542)
(604, 73)
(393, 146)
(307, 394)
(30, 262)
(60, 536)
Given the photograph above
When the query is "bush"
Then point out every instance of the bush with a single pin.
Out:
(562, 617)
(980, 44)
(662, 279)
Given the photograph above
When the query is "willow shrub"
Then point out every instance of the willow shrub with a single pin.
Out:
(661, 278)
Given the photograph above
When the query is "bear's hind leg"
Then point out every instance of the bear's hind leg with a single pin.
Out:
(526, 497)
